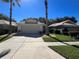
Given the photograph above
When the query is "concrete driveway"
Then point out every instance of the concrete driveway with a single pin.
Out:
(28, 47)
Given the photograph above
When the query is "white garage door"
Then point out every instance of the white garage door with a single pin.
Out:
(31, 28)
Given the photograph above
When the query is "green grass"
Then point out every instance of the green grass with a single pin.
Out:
(58, 37)
(69, 52)
(5, 37)
(63, 37)
(48, 39)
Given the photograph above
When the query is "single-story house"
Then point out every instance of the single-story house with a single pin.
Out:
(31, 26)
(4, 26)
(64, 27)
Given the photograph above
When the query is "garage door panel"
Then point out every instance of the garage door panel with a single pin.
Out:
(31, 28)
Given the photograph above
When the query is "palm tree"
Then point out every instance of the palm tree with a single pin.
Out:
(46, 16)
(11, 7)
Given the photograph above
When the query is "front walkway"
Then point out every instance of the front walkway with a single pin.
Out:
(60, 43)
(23, 47)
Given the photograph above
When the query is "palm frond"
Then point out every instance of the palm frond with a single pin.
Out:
(6, 1)
(18, 2)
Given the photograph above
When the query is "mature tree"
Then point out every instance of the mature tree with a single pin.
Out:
(4, 17)
(46, 14)
(73, 19)
(51, 21)
(1, 14)
(42, 20)
(57, 20)
(66, 18)
(11, 7)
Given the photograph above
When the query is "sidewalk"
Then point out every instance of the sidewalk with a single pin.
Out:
(60, 43)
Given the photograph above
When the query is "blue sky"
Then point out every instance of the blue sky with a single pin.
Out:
(36, 8)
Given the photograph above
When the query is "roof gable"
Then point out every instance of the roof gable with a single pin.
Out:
(67, 22)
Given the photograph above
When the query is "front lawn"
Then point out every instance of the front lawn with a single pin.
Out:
(69, 52)
(4, 37)
(48, 39)
(59, 37)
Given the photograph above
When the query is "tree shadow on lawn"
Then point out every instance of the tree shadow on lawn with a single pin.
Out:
(76, 46)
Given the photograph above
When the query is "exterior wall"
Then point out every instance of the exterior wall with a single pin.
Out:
(30, 28)
(4, 29)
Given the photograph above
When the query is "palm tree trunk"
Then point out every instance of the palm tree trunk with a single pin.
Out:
(10, 16)
(46, 16)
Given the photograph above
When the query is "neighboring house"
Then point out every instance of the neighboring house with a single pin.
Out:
(4, 26)
(31, 26)
(64, 27)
